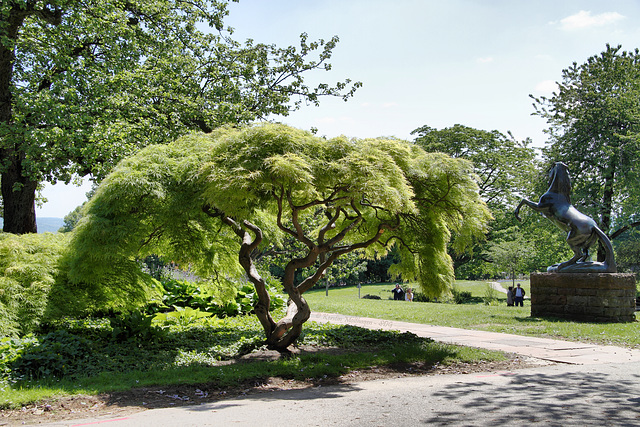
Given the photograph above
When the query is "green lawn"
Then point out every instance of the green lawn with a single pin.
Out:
(497, 318)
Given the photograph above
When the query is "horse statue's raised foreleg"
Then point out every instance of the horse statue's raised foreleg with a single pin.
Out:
(525, 202)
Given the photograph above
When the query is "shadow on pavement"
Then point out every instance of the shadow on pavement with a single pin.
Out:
(539, 397)
(298, 395)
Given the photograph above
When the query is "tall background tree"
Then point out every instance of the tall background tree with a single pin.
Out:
(594, 120)
(505, 169)
(84, 83)
(213, 200)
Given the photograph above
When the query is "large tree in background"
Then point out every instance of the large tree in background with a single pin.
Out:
(211, 200)
(84, 83)
(594, 120)
(503, 164)
(504, 167)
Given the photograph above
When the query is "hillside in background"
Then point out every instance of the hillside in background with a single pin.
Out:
(45, 225)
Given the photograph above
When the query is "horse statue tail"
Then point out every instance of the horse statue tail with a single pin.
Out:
(609, 261)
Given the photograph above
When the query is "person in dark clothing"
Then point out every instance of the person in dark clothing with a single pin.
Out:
(519, 295)
(398, 293)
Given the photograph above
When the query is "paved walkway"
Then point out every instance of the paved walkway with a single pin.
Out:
(540, 348)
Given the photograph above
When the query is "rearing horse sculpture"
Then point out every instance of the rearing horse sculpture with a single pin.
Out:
(583, 232)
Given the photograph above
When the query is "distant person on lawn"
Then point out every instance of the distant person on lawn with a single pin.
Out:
(409, 295)
(519, 295)
(398, 293)
(510, 296)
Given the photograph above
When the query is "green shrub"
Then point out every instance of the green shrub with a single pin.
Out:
(490, 295)
(461, 297)
(420, 297)
(134, 325)
(214, 298)
(28, 271)
(56, 354)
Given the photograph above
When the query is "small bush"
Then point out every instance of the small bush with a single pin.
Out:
(420, 297)
(490, 295)
(134, 325)
(461, 297)
(56, 354)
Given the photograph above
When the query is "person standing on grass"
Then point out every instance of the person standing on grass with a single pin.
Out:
(519, 295)
(398, 293)
(510, 296)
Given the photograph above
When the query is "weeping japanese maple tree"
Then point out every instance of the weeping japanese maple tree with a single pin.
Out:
(211, 200)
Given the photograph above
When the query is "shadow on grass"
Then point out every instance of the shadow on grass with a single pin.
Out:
(147, 371)
(551, 319)
(308, 367)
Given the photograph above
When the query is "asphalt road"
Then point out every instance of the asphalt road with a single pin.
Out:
(553, 395)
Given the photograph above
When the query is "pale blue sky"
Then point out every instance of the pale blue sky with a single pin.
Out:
(425, 62)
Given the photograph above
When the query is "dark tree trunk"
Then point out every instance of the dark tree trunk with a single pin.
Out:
(18, 192)
(606, 209)
(18, 195)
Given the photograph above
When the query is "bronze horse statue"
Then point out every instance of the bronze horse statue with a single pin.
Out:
(583, 231)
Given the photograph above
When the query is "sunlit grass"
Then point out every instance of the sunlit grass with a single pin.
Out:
(383, 290)
(496, 318)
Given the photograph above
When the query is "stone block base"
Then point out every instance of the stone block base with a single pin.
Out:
(591, 297)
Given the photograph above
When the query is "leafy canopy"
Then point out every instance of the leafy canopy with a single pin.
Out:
(502, 163)
(84, 83)
(594, 120)
(365, 195)
(505, 168)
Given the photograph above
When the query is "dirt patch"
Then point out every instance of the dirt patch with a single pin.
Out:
(120, 404)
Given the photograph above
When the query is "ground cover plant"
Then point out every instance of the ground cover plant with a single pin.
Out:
(87, 357)
(496, 318)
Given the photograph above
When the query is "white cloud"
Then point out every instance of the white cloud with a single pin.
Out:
(485, 60)
(546, 87)
(584, 19)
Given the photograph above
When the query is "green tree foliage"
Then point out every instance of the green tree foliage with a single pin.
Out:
(594, 120)
(213, 200)
(84, 83)
(512, 254)
(503, 164)
(28, 271)
(628, 252)
(504, 167)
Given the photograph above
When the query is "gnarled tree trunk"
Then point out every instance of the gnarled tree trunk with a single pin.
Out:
(285, 332)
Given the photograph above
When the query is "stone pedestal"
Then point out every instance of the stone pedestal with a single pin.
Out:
(591, 297)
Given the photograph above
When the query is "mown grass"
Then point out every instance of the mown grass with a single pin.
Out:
(209, 354)
(496, 318)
